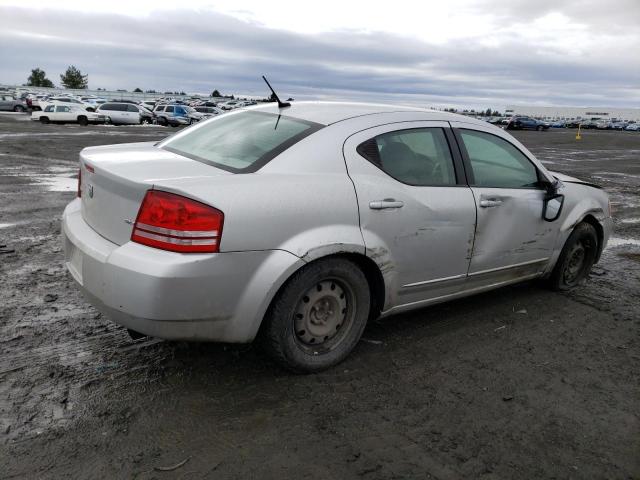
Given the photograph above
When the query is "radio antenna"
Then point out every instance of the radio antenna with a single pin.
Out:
(281, 104)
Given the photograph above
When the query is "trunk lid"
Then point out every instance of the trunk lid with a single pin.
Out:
(115, 179)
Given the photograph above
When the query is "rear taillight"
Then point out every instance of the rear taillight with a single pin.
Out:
(80, 182)
(176, 223)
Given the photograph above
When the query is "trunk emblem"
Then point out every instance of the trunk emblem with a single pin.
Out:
(90, 191)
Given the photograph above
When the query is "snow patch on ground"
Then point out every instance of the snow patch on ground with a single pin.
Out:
(618, 242)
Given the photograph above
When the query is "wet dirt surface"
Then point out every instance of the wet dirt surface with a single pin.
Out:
(517, 383)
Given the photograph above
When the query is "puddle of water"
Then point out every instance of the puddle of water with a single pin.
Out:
(57, 183)
(618, 242)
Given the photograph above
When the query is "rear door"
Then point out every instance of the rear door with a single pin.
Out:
(417, 215)
(511, 239)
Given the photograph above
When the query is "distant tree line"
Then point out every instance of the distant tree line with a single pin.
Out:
(487, 113)
(71, 78)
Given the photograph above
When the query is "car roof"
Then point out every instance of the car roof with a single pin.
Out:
(327, 113)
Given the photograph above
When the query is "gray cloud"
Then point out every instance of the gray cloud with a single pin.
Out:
(200, 51)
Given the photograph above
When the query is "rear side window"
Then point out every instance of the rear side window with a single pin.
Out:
(240, 142)
(169, 109)
(497, 163)
(132, 108)
(419, 156)
(160, 108)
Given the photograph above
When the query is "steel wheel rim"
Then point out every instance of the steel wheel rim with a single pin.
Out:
(323, 315)
(575, 263)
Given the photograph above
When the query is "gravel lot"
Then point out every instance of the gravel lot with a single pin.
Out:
(517, 383)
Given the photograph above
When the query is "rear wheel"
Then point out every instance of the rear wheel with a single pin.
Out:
(576, 259)
(44, 120)
(318, 317)
(162, 121)
(82, 120)
(18, 109)
(539, 128)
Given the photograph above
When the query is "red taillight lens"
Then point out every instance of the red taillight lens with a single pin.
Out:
(80, 182)
(176, 223)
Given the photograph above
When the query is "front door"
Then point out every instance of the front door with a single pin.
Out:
(417, 215)
(512, 239)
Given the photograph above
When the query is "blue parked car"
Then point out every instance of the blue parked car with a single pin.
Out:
(559, 124)
(175, 115)
(526, 123)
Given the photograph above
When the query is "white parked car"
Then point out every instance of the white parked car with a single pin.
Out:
(60, 113)
(75, 101)
(122, 113)
(230, 105)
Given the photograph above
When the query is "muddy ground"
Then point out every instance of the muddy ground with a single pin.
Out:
(517, 383)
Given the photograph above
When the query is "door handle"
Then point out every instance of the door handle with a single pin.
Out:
(386, 203)
(490, 203)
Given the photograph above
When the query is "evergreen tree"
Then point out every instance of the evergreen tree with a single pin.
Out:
(73, 78)
(38, 78)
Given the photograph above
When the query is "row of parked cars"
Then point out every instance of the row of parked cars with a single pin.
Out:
(528, 123)
(598, 124)
(125, 112)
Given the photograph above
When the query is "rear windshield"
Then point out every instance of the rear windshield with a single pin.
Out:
(240, 142)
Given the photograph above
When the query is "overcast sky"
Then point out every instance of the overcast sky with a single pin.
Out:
(482, 53)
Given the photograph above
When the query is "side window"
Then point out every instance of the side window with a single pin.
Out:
(132, 108)
(180, 111)
(169, 110)
(497, 163)
(160, 108)
(49, 108)
(419, 156)
(62, 108)
(106, 106)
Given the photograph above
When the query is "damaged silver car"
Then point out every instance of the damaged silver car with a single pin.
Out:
(296, 225)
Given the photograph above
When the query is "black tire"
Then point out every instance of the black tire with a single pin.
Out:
(19, 109)
(82, 120)
(44, 120)
(539, 128)
(162, 121)
(576, 259)
(345, 304)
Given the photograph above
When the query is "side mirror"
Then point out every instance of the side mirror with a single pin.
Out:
(552, 207)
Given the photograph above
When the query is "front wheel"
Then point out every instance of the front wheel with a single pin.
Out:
(539, 128)
(44, 120)
(84, 121)
(576, 259)
(318, 316)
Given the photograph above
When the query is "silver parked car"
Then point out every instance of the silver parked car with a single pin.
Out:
(10, 103)
(297, 225)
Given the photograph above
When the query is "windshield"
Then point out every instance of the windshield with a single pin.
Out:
(240, 142)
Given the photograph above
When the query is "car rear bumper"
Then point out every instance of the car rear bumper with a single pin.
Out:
(208, 297)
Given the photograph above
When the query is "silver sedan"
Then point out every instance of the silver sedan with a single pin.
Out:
(297, 225)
